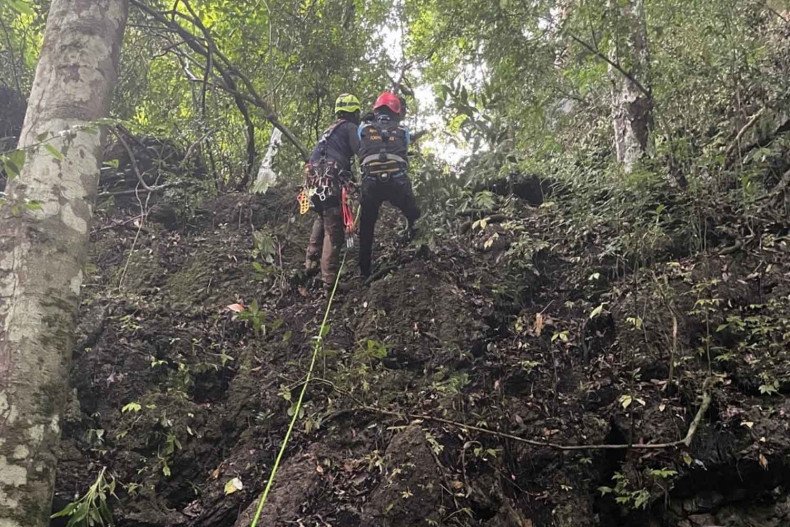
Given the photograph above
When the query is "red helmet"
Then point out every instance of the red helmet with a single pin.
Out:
(390, 100)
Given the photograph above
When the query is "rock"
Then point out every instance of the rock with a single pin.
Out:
(164, 214)
(702, 520)
(575, 511)
(410, 493)
(508, 516)
(708, 501)
(298, 482)
(704, 502)
(150, 510)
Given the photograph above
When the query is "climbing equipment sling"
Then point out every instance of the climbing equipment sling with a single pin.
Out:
(348, 219)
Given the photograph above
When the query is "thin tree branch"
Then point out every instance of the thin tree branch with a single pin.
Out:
(150, 190)
(117, 132)
(612, 63)
(775, 12)
(228, 72)
(686, 441)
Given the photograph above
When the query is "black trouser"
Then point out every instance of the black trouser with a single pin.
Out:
(396, 190)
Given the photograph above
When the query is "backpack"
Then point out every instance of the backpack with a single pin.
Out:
(383, 147)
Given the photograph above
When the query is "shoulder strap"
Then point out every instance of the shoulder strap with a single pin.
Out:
(329, 131)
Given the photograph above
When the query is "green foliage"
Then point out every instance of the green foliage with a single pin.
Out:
(451, 385)
(373, 349)
(92, 509)
(624, 494)
(264, 246)
(256, 318)
(133, 407)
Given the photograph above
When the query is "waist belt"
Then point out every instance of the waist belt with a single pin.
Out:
(384, 166)
(383, 158)
(386, 176)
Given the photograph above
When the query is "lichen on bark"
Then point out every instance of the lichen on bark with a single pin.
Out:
(43, 247)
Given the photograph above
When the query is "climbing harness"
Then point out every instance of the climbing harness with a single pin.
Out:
(320, 183)
(319, 339)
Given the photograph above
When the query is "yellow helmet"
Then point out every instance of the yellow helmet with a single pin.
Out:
(347, 103)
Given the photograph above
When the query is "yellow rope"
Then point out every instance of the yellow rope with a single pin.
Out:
(319, 339)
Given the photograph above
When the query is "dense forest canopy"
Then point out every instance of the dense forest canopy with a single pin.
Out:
(529, 78)
(588, 327)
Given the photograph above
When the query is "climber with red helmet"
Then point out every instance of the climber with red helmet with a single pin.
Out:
(383, 155)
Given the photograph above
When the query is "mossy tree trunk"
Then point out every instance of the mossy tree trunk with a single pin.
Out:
(43, 235)
(632, 102)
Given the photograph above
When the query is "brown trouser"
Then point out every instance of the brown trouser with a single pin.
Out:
(326, 242)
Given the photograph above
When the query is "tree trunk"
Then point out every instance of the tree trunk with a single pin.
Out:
(43, 236)
(632, 103)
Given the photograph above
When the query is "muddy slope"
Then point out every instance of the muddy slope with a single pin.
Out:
(501, 325)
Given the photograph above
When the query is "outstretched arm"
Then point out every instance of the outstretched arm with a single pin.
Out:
(415, 136)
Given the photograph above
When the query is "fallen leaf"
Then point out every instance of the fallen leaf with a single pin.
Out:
(236, 308)
(747, 424)
(625, 401)
(538, 324)
(763, 462)
(232, 486)
(597, 311)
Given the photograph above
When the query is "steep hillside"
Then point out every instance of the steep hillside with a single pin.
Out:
(449, 386)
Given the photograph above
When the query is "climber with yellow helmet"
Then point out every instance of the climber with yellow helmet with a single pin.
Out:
(326, 174)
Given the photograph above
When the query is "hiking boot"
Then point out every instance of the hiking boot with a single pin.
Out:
(342, 288)
(300, 277)
(312, 267)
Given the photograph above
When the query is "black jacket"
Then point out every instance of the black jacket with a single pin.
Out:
(340, 143)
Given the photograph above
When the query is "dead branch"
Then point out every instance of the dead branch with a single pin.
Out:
(150, 190)
(760, 143)
(118, 133)
(686, 441)
(737, 141)
(706, 400)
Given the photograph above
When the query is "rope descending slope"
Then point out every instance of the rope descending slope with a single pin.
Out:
(318, 341)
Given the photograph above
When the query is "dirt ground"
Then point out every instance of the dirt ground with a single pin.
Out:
(503, 327)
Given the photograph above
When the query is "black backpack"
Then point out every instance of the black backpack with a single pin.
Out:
(383, 147)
